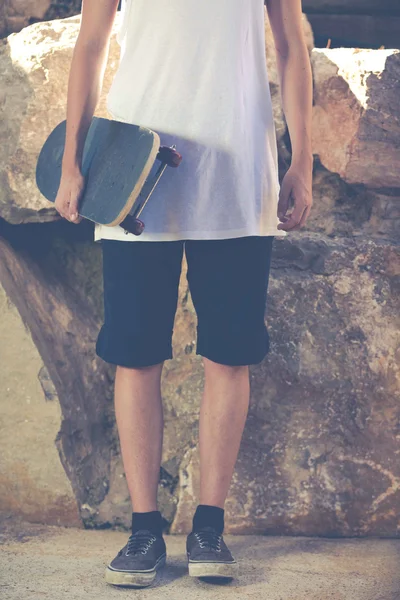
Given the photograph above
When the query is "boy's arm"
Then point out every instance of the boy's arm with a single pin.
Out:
(87, 68)
(295, 76)
(86, 74)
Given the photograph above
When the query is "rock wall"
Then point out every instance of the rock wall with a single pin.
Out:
(33, 482)
(318, 452)
(318, 455)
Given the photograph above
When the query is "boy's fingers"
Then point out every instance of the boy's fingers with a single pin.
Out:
(73, 209)
(293, 220)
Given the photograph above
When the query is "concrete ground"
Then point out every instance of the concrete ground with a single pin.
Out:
(57, 563)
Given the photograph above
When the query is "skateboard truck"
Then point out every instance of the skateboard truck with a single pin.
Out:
(169, 157)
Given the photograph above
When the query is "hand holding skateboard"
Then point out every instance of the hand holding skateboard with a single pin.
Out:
(69, 194)
(116, 163)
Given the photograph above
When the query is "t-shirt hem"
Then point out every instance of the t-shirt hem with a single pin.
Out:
(187, 235)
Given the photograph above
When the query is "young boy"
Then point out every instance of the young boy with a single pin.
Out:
(195, 72)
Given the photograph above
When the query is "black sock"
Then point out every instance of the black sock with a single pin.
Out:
(151, 520)
(207, 515)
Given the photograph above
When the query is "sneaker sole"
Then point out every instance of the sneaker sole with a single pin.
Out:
(212, 569)
(134, 578)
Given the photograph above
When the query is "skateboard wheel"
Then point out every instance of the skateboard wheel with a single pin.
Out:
(132, 225)
(139, 227)
(169, 156)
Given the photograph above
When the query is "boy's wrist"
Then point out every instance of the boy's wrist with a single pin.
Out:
(71, 167)
(304, 159)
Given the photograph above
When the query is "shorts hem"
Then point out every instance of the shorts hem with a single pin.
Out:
(134, 364)
(231, 361)
(132, 361)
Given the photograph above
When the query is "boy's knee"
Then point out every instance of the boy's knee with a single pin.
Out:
(146, 369)
(229, 370)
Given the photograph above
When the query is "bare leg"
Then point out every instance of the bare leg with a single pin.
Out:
(223, 415)
(139, 416)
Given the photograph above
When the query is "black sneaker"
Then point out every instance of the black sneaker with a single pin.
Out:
(136, 565)
(208, 555)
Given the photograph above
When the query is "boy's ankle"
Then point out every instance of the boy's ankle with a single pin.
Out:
(151, 520)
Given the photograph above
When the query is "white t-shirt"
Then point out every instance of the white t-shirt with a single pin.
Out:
(195, 72)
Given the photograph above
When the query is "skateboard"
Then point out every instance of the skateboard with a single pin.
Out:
(117, 164)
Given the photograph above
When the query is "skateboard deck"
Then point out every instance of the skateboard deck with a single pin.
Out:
(117, 160)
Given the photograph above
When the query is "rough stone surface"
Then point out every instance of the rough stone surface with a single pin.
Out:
(41, 562)
(54, 285)
(356, 116)
(343, 209)
(51, 273)
(318, 455)
(34, 67)
(33, 482)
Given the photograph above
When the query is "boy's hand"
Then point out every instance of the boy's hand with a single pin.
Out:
(69, 193)
(296, 192)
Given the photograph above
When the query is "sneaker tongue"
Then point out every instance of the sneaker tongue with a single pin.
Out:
(143, 531)
(209, 528)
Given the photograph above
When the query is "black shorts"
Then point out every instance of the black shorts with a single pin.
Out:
(228, 281)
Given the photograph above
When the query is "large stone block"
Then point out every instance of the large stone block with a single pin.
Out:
(318, 455)
(34, 67)
(344, 209)
(33, 482)
(356, 116)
